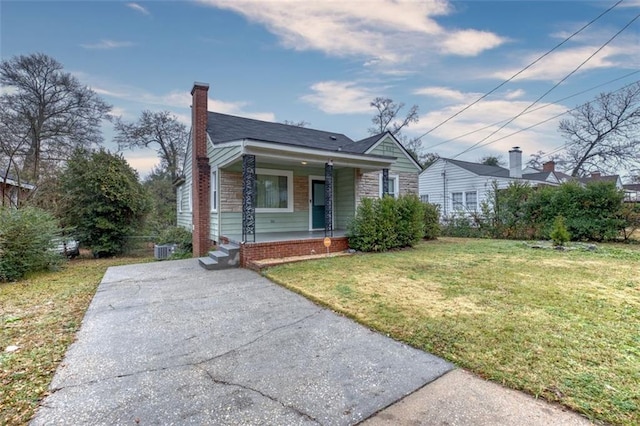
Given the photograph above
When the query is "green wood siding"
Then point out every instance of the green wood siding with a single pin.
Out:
(403, 164)
(344, 197)
(266, 222)
(184, 217)
(221, 155)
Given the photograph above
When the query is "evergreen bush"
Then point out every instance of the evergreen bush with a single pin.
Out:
(27, 242)
(431, 221)
(559, 235)
(385, 223)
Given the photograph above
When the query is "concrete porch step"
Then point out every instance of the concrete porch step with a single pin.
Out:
(226, 256)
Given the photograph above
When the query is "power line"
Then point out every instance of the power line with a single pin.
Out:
(542, 122)
(552, 88)
(522, 70)
(534, 110)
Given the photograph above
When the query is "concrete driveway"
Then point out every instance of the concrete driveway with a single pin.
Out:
(171, 343)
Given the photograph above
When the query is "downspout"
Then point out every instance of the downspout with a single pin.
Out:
(444, 189)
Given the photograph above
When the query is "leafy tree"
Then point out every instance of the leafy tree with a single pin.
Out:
(603, 134)
(161, 130)
(45, 114)
(162, 195)
(103, 200)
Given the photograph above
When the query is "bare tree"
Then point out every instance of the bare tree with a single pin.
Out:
(387, 116)
(603, 135)
(492, 160)
(50, 111)
(161, 130)
(300, 123)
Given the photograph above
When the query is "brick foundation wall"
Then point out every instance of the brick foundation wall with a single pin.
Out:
(279, 249)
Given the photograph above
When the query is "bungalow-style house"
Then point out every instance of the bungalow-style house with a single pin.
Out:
(12, 190)
(460, 187)
(259, 190)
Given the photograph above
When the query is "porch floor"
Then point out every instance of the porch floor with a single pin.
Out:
(269, 237)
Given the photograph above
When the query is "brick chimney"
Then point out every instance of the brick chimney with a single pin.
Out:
(515, 163)
(549, 166)
(200, 170)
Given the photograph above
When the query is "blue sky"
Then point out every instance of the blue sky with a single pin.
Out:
(324, 61)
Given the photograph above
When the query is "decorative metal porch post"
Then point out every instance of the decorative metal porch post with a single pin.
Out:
(328, 199)
(385, 182)
(248, 197)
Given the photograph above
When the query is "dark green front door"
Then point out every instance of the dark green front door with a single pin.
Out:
(317, 204)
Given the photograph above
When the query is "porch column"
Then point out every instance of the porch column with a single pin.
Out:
(328, 199)
(385, 182)
(248, 197)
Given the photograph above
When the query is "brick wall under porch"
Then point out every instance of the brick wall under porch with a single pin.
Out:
(279, 249)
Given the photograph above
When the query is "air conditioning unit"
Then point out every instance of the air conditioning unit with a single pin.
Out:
(163, 251)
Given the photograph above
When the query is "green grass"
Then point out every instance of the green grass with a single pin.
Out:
(41, 315)
(561, 325)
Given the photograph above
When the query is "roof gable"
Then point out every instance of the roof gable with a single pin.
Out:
(373, 141)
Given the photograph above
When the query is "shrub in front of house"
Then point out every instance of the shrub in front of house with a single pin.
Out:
(386, 223)
(27, 240)
(431, 221)
(179, 236)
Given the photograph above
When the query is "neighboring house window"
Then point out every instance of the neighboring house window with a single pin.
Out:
(274, 191)
(471, 201)
(456, 201)
(179, 197)
(214, 190)
(394, 185)
(190, 193)
(424, 198)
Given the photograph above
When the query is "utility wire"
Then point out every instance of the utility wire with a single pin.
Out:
(552, 88)
(522, 70)
(534, 110)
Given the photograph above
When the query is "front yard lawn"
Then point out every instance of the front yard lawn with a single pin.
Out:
(562, 325)
(40, 315)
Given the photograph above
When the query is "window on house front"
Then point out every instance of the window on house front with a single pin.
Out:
(456, 201)
(274, 191)
(471, 201)
(394, 185)
(214, 190)
(424, 198)
(179, 198)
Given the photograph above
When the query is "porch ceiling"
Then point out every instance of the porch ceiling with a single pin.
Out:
(295, 156)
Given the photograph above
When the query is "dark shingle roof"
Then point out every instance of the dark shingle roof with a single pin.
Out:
(495, 171)
(591, 179)
(225, 128)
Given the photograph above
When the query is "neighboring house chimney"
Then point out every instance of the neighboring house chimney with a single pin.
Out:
(595, 174)
(200, 169)
(515, 163)
(549, 166)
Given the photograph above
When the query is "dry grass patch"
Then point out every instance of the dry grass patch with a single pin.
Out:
(41, 315)
(561, 325)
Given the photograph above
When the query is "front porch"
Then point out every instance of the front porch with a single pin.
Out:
(270, 245)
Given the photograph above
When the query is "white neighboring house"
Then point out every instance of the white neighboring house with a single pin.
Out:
(461, 187)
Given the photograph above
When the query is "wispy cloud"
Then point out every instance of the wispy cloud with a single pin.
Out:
(108, 44)
(484, 118)
(139, 8)
(341, 97)
(380, 32)
(178, 99)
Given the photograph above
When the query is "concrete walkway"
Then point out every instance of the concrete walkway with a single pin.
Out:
(172, 343)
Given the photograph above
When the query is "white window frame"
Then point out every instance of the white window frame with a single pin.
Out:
(190, 192)
(396, 185)
(424, 198)
(213, 196)
(453, 202)
(289, 175)
(179, 198)
(466, 205)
